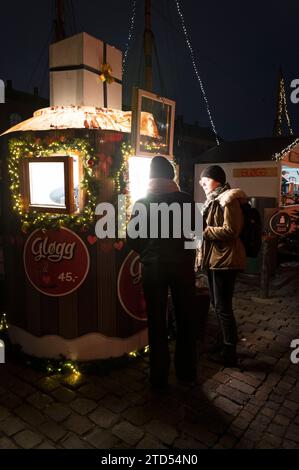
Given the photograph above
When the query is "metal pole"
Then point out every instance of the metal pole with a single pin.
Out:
(59, 23)
(148, 46)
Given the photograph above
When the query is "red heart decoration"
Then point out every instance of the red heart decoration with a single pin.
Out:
(118, 245)
(91, 239)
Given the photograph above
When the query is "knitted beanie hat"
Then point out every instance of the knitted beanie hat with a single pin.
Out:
(161, 168)
(214, 172)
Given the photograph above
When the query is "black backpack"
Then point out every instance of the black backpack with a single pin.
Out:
(251, 234)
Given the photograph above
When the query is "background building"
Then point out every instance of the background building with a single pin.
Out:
(18, 106)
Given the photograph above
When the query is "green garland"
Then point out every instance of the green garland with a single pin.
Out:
(32, 220)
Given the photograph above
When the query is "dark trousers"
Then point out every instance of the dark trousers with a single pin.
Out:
(157, 279)
(222, 283)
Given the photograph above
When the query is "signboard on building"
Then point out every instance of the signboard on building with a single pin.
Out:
(255, 172)
(56, 261)
(280, 223)
(129, 287)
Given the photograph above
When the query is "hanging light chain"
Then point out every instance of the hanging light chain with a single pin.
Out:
(132, 24)
(196, 69)
(286, 108)
(282, 110)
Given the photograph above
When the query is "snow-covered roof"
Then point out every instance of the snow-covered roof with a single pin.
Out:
(88, 117)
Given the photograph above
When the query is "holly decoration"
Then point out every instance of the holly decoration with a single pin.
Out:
(30, 147)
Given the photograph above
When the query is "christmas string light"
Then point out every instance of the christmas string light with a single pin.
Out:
(3, 322)
(61, 367)
(137, 353)
(25, 148)
(132, 24)
(279, 155)
(122, 181)
(196, 69)
(282, 108)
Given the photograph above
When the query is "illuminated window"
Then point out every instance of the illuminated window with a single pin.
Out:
(51, 184)
(139, 168)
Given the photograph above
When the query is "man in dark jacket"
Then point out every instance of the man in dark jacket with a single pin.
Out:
(166, 263)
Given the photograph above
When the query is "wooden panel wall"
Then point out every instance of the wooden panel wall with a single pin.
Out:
(94, 306)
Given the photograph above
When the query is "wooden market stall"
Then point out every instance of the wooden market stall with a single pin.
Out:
(69, 292)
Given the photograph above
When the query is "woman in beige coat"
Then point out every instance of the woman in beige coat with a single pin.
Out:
(223, 255)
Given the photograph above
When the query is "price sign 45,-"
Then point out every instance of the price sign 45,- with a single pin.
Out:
(67, 277)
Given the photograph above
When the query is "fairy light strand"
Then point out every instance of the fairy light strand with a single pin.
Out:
(286, 108)
(196, 69)
(279, 155)
(3, 322)
(132, 24)
(282, 108)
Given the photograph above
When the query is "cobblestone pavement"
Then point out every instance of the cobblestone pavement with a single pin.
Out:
(255, 406)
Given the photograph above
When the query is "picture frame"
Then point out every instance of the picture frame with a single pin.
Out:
(152, 124)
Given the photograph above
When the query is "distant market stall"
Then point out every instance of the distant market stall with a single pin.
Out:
(266, 169)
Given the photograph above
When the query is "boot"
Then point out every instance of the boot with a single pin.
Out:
(226, 356)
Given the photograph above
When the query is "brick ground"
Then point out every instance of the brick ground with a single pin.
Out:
(254, 406)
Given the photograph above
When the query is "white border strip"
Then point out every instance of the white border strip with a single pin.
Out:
(84, 348)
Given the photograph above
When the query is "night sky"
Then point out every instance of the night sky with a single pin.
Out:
(239, 47)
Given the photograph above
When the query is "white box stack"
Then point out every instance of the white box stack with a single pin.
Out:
(75, 69)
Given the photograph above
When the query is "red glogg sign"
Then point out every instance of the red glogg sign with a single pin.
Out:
(129, 287)
(56, 261)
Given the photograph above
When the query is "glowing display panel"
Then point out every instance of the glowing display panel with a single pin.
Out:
(51, 184)
(47, 187)
(139, 177)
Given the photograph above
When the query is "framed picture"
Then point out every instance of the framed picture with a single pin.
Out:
(152, 124)
(48, 184)
(289, 186)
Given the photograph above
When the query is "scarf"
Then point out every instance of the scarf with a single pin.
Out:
(211, 198)
(162, 186)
